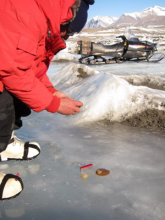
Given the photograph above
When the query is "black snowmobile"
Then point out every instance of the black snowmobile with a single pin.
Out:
(126, 50)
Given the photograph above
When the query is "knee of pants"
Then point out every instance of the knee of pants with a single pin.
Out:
(7, 114)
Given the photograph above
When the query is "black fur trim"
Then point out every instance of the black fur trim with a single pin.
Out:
(75, 8)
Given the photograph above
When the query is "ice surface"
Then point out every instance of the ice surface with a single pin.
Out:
(53, 188)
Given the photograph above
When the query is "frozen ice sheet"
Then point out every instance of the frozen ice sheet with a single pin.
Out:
(55, 190)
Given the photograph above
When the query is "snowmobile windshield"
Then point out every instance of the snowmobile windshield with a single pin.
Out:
(130, 35)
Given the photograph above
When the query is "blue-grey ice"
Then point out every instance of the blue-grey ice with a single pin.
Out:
(112, 94)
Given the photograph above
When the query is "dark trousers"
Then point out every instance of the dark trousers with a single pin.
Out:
(11, 111)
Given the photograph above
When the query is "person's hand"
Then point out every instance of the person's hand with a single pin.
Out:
(59, 94)
(69, 106)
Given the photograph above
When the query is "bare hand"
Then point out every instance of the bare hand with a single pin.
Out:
(60, 94)
(69, 106)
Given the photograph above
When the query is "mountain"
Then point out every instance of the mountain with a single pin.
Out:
(149, 16)
(100, 21)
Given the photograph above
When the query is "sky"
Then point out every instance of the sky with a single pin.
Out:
(116, 8)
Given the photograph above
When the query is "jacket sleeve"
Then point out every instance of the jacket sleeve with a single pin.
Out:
(17, 55)
(42, 76)
(1, 86)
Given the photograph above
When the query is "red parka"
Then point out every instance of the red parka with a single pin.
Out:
(26, 50)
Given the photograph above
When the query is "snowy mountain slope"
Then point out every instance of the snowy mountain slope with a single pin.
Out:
(100, 21)
(151, 20)
(152, 15)
(149, 16)
(156, 10)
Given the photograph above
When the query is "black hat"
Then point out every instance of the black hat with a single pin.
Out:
(81, 16)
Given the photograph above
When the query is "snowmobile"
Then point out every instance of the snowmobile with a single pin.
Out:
(125, 50)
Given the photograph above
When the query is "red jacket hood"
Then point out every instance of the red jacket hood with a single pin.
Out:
(51, 8)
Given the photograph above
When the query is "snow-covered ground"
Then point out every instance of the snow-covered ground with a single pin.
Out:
(154, 34)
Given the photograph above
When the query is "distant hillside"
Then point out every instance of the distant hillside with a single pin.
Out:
(149, 16)
(100, 21)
